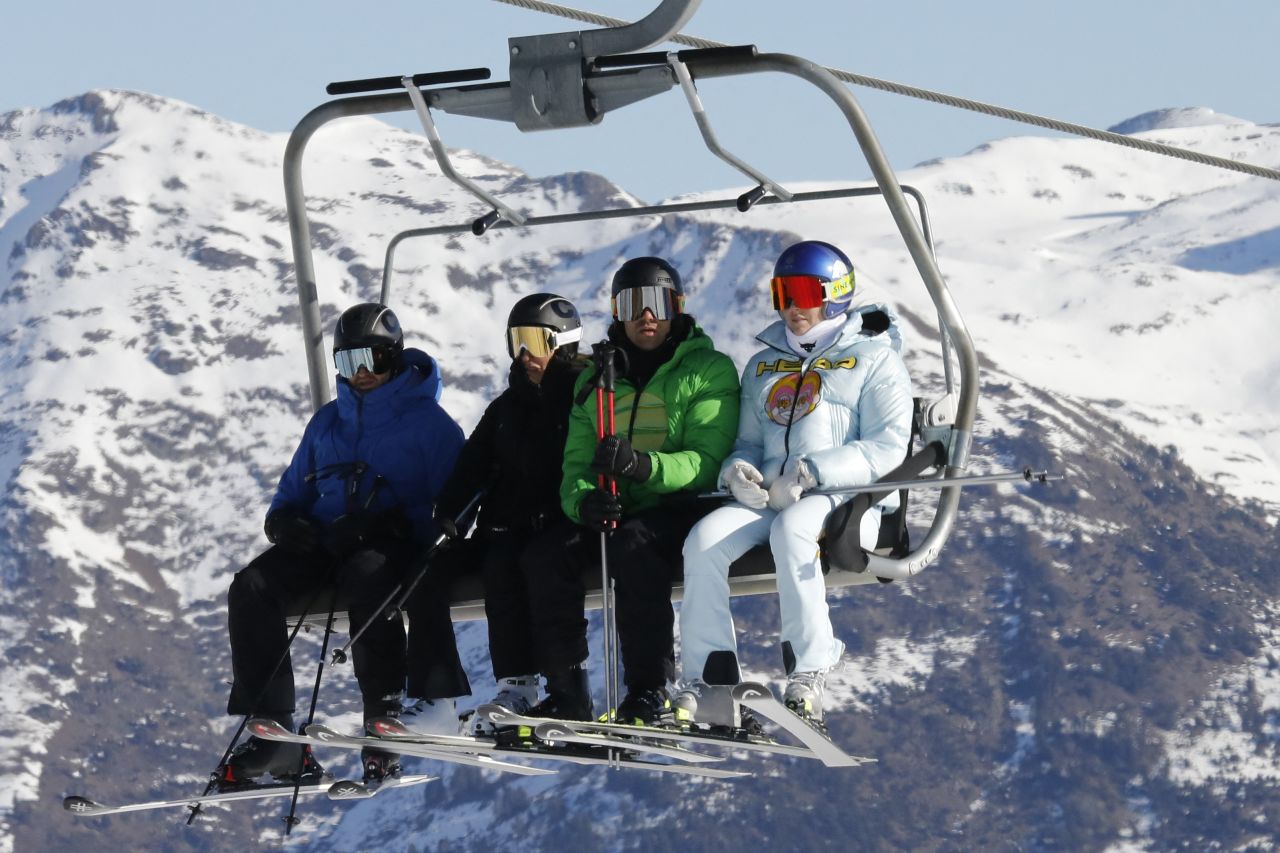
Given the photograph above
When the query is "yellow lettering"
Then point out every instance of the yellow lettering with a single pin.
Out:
(824, 364)
(782, 365)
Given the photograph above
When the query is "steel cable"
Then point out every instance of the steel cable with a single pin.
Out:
(940, 98)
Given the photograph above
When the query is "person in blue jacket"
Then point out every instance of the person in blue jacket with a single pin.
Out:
(351, 513)
(826, 404)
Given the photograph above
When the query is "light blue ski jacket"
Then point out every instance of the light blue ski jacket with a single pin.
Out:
(846, 410)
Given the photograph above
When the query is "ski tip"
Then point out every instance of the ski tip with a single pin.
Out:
(386, 727)
(348, 789)
(750, 690)
(82, 806)
(552, 731)
(264, 728)
(322, 732)
(495, 714)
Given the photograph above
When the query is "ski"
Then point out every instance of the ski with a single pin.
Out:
(350, 789)
(614, 756)
(323, 735)
(501, 716)
(392, 730)
(760, 699)
(617, 754)
(85, 807)
(434, 745)
(559, 733)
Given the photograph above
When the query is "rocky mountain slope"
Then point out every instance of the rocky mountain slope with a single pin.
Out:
(1091, 665)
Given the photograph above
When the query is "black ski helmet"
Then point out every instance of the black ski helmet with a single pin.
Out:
(553, 312)
(369, 324)
(642, 272)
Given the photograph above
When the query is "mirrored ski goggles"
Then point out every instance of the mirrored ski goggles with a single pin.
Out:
(808, 291)
(538, 341)
(372, 359)
(663, 302)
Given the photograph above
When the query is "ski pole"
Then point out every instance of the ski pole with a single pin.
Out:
(1026, 475)
(306, 609)
(291, 819)
(606, 380)
(398, 595)
(450, 530)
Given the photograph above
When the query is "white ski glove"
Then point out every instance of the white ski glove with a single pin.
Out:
(743, 481)
(794, 481)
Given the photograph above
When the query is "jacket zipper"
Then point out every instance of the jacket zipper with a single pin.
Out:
(804, 368)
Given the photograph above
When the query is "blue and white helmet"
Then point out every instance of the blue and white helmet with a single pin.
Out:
(823, 261)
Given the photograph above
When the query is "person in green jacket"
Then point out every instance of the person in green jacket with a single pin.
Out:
(676, 415)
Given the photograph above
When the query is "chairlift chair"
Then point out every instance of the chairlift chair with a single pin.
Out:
(574, 79)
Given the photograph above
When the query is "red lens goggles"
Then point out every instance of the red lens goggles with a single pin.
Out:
(802, 291)
(809, 291)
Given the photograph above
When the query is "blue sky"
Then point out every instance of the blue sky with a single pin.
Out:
(266, 63)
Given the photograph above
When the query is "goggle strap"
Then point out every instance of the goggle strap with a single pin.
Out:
(571, 336)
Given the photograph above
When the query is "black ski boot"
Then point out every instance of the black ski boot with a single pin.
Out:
(286, 762)
(379, 765)
(645, 706)
(568, 696)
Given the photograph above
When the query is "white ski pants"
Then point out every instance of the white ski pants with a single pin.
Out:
(706, 622)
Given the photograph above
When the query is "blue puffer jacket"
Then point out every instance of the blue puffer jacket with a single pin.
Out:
(392, 448)
(845, 410)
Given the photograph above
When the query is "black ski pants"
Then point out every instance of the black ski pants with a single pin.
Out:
(506, 600)
(278, 584)
(644, 560)
(434, 668)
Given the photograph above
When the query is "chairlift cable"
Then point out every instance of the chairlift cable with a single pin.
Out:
(940, 98)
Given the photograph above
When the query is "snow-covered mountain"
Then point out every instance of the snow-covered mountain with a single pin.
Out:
(1091, 665)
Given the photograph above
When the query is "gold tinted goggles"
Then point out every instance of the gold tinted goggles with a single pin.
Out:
(538, 341)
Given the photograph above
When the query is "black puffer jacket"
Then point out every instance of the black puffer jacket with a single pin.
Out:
(517, 450)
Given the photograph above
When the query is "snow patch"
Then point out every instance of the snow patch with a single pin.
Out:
(1174, 117)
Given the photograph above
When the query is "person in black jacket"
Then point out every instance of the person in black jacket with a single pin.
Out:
(515, 454)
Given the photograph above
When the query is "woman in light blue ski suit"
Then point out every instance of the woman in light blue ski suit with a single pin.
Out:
(826, 404)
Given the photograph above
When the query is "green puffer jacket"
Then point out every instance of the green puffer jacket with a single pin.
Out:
(686, 420)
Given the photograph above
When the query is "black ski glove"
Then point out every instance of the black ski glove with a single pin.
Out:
(348, 532)
(392, 524)
(293, 530)
(615, 457)
(599, 510)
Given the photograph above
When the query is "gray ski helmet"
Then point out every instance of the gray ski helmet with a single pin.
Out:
(369, 324)
(646, 272)
(553, 312)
